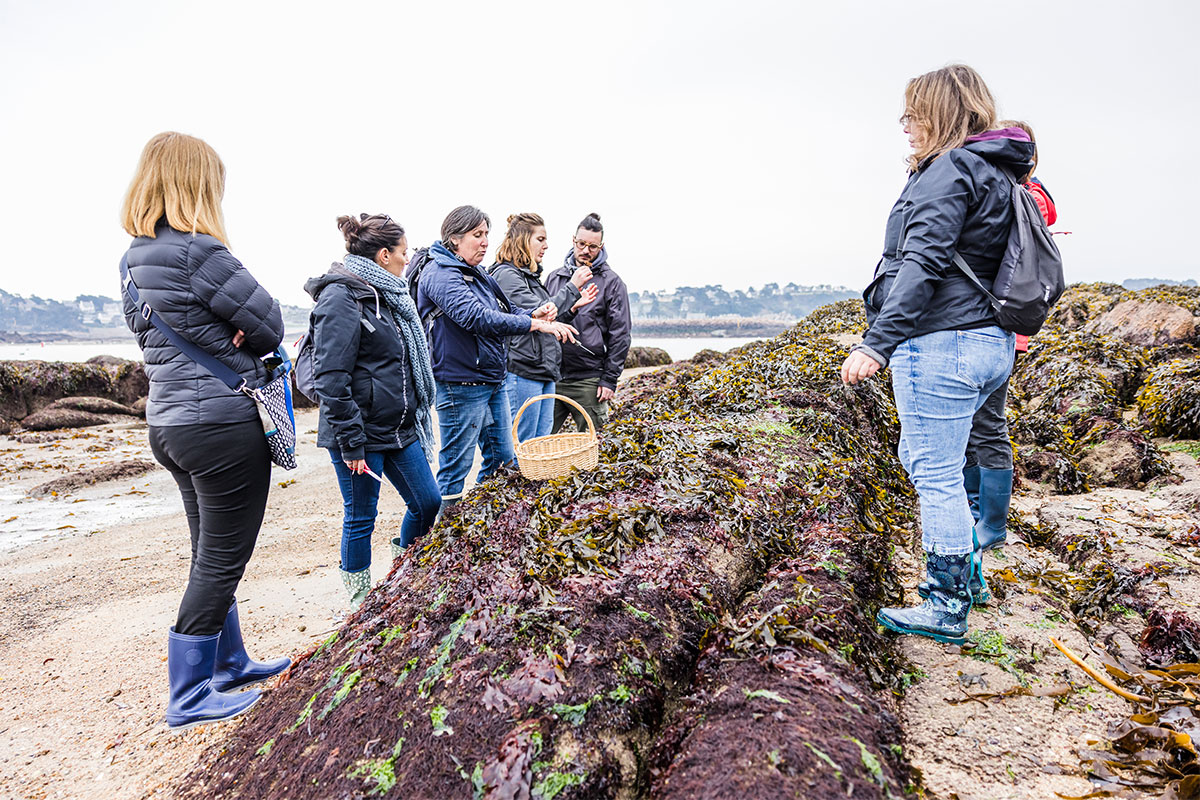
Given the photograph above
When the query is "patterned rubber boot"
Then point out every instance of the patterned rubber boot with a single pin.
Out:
(943, 615)
(995, 494)
(397, 548)
(358, 584)
(980, 594)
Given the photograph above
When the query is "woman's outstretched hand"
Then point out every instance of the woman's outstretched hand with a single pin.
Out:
(559, 330)
(586, 295)
(857, 367)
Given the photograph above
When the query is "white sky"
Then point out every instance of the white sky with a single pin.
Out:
(735, 143)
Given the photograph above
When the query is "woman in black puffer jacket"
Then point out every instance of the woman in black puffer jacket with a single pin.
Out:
(934, 327)
(372, 375)
(209, 437)
(533, 358)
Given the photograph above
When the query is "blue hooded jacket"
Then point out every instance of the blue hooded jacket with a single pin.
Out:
(960, 201)
(468, 339)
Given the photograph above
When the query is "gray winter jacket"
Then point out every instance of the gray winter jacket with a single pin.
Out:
(198, 288)
(534, 355)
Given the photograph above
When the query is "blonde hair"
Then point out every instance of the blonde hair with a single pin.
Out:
(949, 104)
(178, 177)
(517, 247)
(1016, 123)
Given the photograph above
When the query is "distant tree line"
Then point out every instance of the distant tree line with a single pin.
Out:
(789, 302)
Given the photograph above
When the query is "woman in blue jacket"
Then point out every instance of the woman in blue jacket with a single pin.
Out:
(936, 329)
(208, 436)
(372, 376)
(469, 320)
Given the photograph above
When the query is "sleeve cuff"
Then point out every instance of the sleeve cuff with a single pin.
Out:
(354, 453)
(862, 348)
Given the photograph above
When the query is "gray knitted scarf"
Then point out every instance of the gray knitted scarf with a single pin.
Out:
(404, 314)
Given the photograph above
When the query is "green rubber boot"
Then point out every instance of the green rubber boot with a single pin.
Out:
(358, 584)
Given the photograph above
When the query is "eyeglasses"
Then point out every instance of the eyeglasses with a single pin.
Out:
(591, 248)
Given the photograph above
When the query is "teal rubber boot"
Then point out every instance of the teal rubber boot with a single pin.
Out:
(995, 495)
(943, 615)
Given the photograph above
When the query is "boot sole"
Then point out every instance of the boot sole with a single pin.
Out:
(189, 725)
(941, 637)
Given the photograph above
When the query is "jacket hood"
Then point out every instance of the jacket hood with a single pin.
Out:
(359, 288)
(599, 263)
(444, 258)
(1007, 147)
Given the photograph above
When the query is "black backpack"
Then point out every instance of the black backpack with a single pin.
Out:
(420, 260)
(1030, 279)
(304, 371)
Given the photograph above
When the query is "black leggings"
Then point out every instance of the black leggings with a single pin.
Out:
(224, 473)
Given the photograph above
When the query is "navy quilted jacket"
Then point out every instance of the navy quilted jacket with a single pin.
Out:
(198, 288)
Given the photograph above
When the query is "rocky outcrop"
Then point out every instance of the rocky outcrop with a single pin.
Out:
(646, 357)
(1148, 324)
(27, 387)
(122, 470)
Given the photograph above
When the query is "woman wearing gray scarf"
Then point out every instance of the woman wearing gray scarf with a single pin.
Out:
(372, 375)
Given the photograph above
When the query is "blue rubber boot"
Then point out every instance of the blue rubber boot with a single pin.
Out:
(971, 484)
(995, 494)
(193, 701)
(977, 585)
(235, 668)
(943, 615)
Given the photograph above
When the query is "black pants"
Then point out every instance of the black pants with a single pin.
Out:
(224, 473)
(989, 446)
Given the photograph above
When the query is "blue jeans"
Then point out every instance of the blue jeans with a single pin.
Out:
(470, 416)
(539, 417)
(940, 380)
(409, 472)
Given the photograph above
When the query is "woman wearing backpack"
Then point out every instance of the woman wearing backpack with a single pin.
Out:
(533, 359)
(936, 329)
(373, 380)
(208, 436)
(469, 319)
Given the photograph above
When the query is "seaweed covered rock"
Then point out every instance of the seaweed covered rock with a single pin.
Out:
(1081, 303)
(537, 640)
(29, 386)
(1146, 323)
(1170, 398)
(94, 405)
(646, 357)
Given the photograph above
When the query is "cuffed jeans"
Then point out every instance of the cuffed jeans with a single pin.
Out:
(470, 416)
(224, 474)
(940, 380)
(539, 417)
(409, 472)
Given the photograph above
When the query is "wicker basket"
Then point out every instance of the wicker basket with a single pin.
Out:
(557, 454)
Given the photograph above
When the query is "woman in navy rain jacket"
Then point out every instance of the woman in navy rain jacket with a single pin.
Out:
(936, 329)
(469, 320)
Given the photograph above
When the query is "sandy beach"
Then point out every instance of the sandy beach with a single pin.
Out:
(82, 667)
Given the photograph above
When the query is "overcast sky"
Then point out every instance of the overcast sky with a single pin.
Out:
(734, 142)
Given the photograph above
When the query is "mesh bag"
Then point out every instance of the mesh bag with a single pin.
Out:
(274, 400)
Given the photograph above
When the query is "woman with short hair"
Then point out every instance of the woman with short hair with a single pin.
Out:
(533, 358)
(935, 329)
(469, 318)
(372, 376)
(209, 437)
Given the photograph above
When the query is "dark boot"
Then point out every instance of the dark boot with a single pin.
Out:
(235, 668)
(943, 616)
(971, 484)
(193, 701)
(980, 595)
(995, 492)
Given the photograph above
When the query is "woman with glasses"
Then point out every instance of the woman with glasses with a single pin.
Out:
(533, 358)
(469, 319)
(373, 379)
(591, 367)
(936, 329)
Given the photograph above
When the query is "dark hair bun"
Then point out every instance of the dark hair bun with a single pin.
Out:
(594, 216)
(349, 227)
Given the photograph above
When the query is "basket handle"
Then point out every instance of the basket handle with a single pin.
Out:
(534, 399)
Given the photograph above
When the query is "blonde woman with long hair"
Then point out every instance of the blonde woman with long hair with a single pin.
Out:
(935, 329)
(534, 358)
(208, 437)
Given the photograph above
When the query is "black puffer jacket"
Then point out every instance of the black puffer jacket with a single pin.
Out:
(361, 368)
(960, 202)
(534, 355)
(604, 324)
(198, 288)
